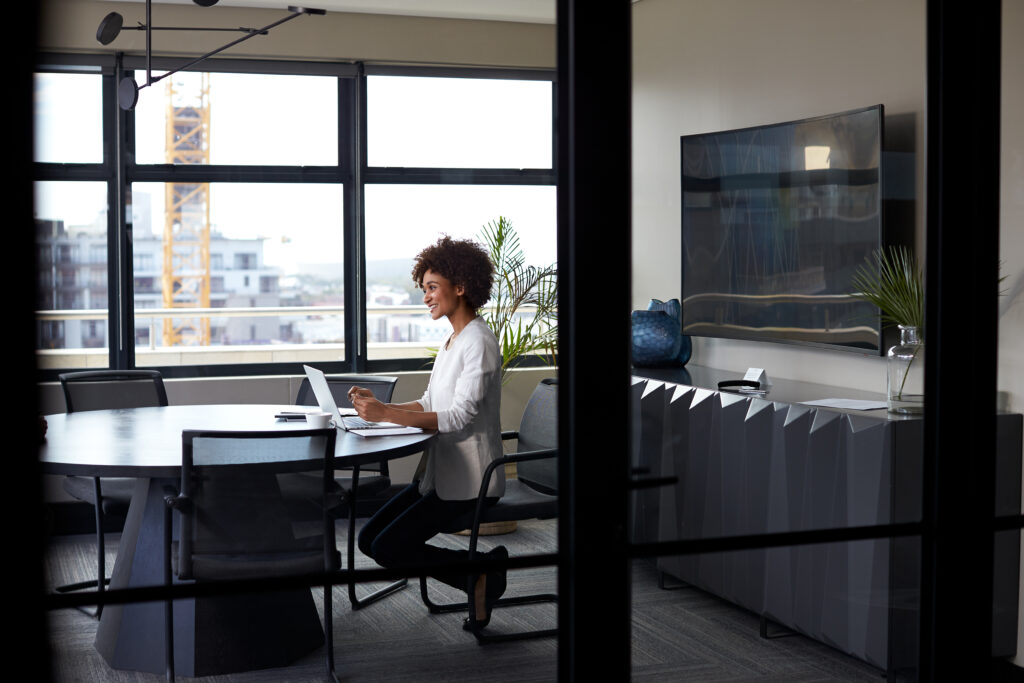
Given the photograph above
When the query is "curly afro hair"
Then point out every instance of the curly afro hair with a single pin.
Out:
(461, 262)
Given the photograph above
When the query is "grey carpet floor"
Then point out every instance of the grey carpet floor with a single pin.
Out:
(677, 635)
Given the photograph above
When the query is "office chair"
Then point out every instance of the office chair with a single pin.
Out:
(374, 490)
(534, 495)
(229, 526)
(100, 390)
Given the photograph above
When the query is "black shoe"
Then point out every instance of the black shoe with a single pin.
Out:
(496, 583)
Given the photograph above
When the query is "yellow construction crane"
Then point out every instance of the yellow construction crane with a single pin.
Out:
(186, 267)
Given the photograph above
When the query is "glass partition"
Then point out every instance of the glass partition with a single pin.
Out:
(736, 466)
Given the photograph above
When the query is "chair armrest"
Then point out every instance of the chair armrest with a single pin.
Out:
(524, 456)
(512, 457)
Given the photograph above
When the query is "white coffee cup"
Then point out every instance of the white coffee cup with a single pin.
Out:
(318, 420)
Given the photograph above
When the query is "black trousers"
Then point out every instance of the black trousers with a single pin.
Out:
(397, 535)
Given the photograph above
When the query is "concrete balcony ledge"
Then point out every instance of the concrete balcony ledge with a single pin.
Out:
(57, 359)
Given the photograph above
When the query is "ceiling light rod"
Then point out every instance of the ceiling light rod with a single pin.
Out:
(296, 12)
(142, 27)
(128, 89)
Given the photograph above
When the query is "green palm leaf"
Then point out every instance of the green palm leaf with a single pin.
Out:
(893, 282)
(517, 285)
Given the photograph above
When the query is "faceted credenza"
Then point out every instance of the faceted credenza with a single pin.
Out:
(750, 465)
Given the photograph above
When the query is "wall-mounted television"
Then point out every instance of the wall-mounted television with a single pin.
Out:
(776, 219)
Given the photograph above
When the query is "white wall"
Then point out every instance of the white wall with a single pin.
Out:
(703, 65)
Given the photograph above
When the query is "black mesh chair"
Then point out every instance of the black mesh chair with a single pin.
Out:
(229, 526)
(109, 496)
(533, 495)
(373, 491)
(382, 387)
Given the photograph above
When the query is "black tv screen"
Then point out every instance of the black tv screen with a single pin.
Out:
(776, 219)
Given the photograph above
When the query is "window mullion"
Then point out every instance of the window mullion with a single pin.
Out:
(205, 173)
(355, 255)
(120, 328)
(460, 176)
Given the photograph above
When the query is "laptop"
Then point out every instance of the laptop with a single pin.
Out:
(325, 399)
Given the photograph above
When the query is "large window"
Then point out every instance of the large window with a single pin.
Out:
(71, 262)
(253, 119)
(402, 219)
(458, 122)
(249, 200)
(448, 156)
(275, 271)
(68, 118)
(71, 221)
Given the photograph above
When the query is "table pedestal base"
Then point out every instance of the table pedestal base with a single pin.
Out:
(212, 635)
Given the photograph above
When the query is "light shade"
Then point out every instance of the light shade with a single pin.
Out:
(127, 93)
(109, 28)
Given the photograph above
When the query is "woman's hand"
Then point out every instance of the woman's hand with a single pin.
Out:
(359, 391)
(407, 414)
(369, 408)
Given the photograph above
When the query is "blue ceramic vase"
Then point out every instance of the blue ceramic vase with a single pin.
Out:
(658, 339)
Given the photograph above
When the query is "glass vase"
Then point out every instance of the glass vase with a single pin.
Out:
(906, 373)
(657, 338)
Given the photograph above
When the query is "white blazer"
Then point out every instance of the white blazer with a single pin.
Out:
(465, 392)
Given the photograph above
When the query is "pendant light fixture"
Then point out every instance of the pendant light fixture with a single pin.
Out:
(128, 89)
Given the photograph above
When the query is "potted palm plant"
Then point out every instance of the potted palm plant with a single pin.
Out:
(892, 281)
(523, 312)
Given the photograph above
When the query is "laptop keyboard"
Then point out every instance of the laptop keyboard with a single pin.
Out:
(358, 423)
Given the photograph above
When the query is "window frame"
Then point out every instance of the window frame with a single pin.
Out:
(399, 175)
(352, 173)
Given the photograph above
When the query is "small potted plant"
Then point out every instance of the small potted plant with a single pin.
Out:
(892, 281)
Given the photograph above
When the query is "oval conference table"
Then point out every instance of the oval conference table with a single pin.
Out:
(213, 635)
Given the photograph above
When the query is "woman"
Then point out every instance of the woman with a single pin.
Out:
(462, 402)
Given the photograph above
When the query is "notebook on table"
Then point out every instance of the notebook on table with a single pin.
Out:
(348, 420)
